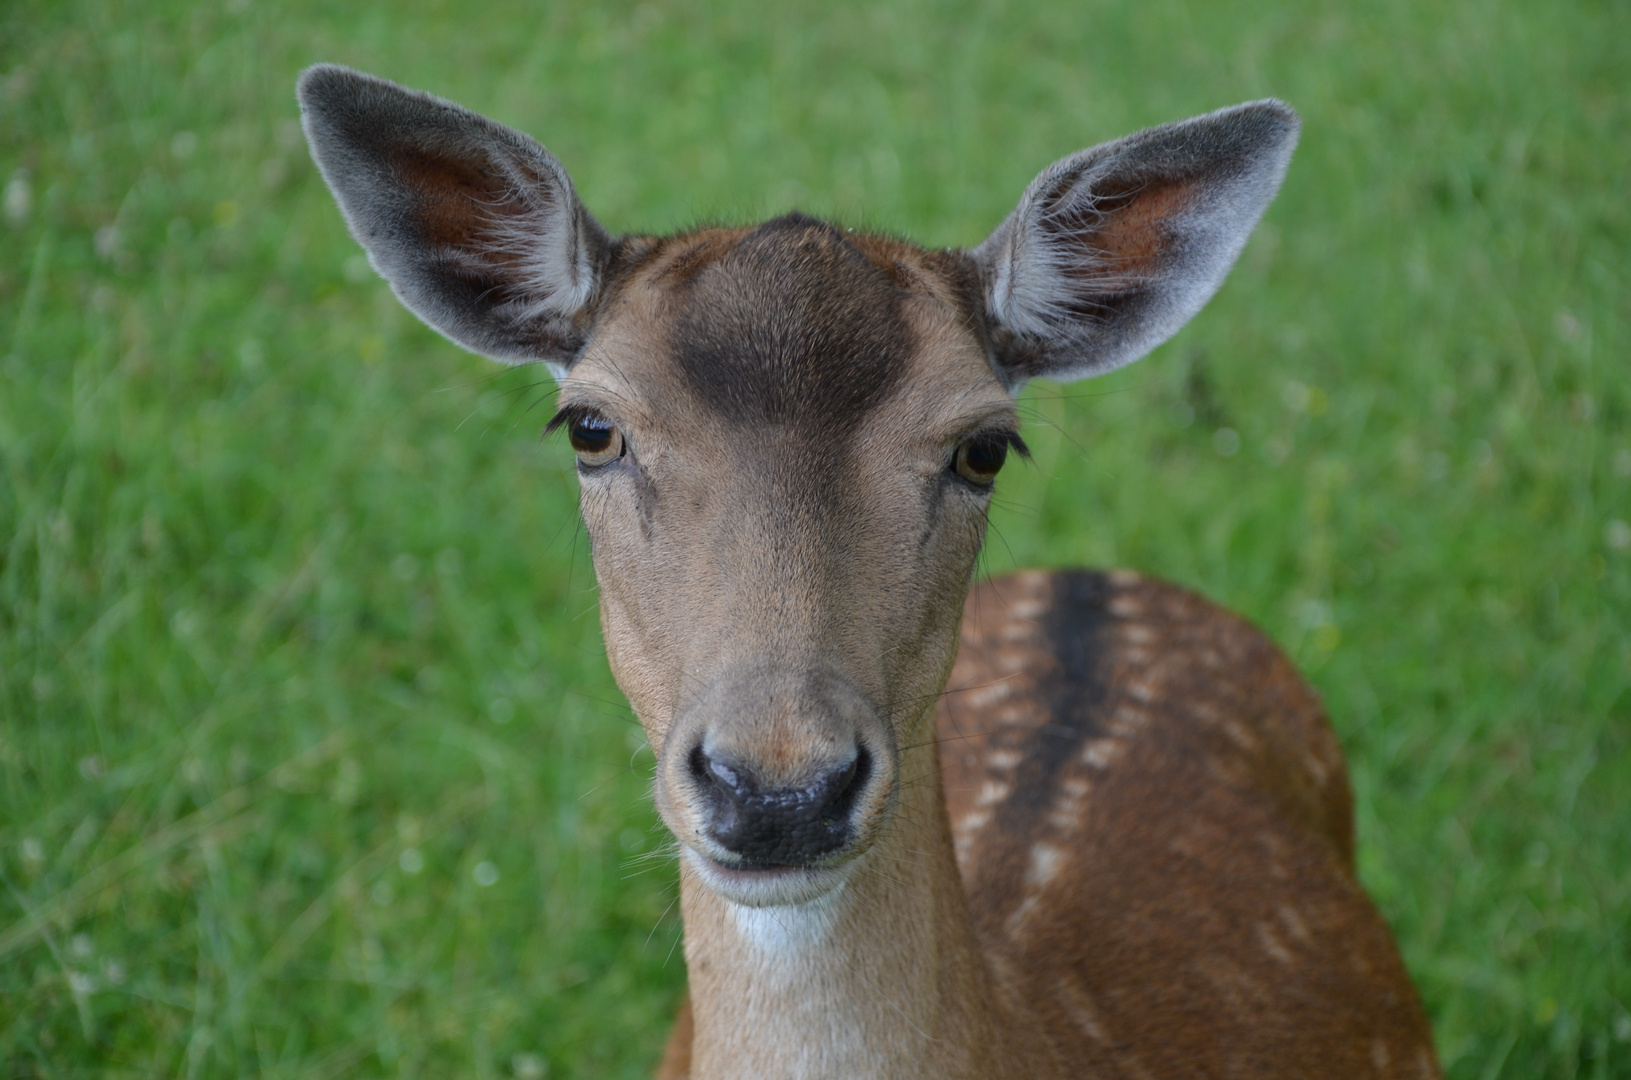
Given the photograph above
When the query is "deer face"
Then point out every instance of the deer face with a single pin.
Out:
(786, 435)
(787, 443)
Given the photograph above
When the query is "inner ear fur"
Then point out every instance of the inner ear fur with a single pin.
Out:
(475, 225)
(1111, 250)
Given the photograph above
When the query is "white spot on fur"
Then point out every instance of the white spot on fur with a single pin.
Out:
(1271, 944)
(1012, 714)
(991, 793)
(1238, 735)
(1139, 690)
(1294, 923)
(963, 833)
(984, 696)
(1066, 813)
(1102, 753)
(1128, 721)
(1016, 921)
(1080, 1009)
(973, 821)
(1045, 860)
(1379, 1055)
(1011, 660)
(1004, 759)
(1137, 633)
(1028, 608)
(1126, 607)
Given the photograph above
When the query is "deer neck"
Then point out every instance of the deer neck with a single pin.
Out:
(880, 978)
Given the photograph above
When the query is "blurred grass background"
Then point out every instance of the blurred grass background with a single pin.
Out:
(310, 764)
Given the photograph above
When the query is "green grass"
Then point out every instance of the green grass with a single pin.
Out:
(297, 633)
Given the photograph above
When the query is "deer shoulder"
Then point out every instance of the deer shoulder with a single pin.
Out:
(1154, 828)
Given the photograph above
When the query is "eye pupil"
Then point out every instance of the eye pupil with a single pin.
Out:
(980, 459)
(596, 441)
(987, 456)
(591, 436)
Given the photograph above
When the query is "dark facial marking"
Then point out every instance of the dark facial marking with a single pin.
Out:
(792, 326)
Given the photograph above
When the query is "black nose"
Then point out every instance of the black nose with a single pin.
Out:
(786, 826)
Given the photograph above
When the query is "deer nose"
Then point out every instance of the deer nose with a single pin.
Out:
(780, 826)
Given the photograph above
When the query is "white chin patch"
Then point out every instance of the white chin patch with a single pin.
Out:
(789, 927)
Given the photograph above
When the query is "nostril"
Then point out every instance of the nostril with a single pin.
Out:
(844, 783)
(726, 777)
(829, 789)
(713, 773)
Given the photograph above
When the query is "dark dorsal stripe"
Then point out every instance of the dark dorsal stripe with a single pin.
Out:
(1073, 686)
(793, 325)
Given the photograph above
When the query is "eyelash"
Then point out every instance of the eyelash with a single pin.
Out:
(571, 414)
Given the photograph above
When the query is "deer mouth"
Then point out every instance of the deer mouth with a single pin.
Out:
(761, 885)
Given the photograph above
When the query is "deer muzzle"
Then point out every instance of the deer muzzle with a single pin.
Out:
(776, 774)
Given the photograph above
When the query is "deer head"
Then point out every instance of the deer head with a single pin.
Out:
(787, 435)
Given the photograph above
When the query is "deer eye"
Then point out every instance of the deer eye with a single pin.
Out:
(980, 458)
(595, 440)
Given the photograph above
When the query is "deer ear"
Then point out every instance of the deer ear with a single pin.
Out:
(475, 225)
(1113, 249)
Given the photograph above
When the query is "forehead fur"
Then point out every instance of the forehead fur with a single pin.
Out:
(791, 324)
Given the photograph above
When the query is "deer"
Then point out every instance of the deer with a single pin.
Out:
(1053, 824)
